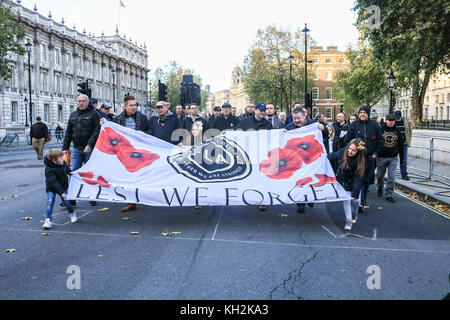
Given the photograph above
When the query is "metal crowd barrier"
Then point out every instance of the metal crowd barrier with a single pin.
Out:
(428, 175)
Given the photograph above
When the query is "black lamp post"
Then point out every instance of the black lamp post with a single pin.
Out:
(290, 80)
(113, 71)
(26, 112)
(305, 31)
(391, 84)
(29, 46)
(281, 87)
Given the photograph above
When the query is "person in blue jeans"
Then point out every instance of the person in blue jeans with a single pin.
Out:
(57, 183)
(82, 130)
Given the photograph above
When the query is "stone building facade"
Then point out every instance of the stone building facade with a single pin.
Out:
(62, 57)
(325, 64)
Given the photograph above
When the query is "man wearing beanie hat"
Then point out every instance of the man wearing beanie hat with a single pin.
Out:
(405, 127)
(370, 132)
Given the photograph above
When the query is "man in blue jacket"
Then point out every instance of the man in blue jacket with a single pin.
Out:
(370, 132)
(164, 124)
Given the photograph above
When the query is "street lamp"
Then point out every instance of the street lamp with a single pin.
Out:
(391, 84)
(113, 71)
(290, 79)
(28, 45)
(281, 87)
(305, 31)
(26, 113)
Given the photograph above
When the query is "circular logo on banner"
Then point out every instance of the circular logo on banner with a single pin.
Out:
(216, 160)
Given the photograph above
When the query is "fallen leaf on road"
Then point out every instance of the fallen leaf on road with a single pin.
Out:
(380, 208)
(14, 196)
(27, 219)
(103, 210)
(10, 250)
(135, 221)
(176, 233)
(426, 197)
(165, 234)
(45, 234)
(3, 198)
(100, 256)
(283, 215)
(134, 233)
(126, 218)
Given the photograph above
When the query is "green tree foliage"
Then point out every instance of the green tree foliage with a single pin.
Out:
(267, 65)
(172, 75)
(411, 36)
(10, 31)
(363, 82)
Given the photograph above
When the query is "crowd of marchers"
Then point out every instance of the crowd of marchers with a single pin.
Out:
(356, 146)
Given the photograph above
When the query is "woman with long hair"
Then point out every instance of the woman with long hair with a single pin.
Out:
(352, 165)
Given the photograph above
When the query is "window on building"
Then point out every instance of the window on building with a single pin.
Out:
(60, 113)
(47, 113)
(328, 60)
(14, 112)
(341, 60)
(329, 93)
(44, 81)
(329, 75)
(69, 60)
(315, 76)
(69, 85)
(57, 83)
(315, 93)
(329, 113)
(43, 52)
(315, 60)
(12, 80)
(57, 57)
(315, 111)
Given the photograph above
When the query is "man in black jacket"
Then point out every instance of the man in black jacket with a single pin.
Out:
(256, 122)
(249, 111)
(83, 129)
(38, 135)
(370, 132)
(194, 117)
(388, 156)
(164, 124)
(226, 121)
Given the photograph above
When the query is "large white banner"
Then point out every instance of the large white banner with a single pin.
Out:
(239, 168)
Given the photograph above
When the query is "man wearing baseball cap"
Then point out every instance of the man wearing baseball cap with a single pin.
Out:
(216, 114)
(405, 128)
(226, 121)
(256, 122)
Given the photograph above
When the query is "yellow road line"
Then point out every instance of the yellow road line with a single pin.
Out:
(426, 206)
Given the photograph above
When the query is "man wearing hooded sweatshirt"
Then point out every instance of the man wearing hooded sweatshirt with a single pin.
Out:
(370, 132)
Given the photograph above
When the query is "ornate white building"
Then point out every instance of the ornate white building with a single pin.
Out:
(62, 57)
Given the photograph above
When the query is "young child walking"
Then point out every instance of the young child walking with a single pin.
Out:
(352, 165)
(57, 183)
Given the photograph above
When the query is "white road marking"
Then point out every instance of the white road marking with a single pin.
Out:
(217, 225)
(66, 213)
(374, 236)
(235, 241)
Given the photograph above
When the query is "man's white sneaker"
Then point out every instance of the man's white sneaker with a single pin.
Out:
(348, 226)
(47, 224)
(73, 217)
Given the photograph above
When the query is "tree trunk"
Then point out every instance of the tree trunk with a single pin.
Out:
(418, 96)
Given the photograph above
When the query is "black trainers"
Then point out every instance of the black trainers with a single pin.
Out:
(390, 199)
(365, 205)
(379, 193)
(300, 208)
(93, 203)
(311, 205)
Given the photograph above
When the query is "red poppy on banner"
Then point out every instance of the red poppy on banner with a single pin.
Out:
(109, 142)
(282, 164)
(134, 160)
(307, 147)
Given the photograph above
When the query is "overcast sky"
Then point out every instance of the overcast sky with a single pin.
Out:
(208, 36)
